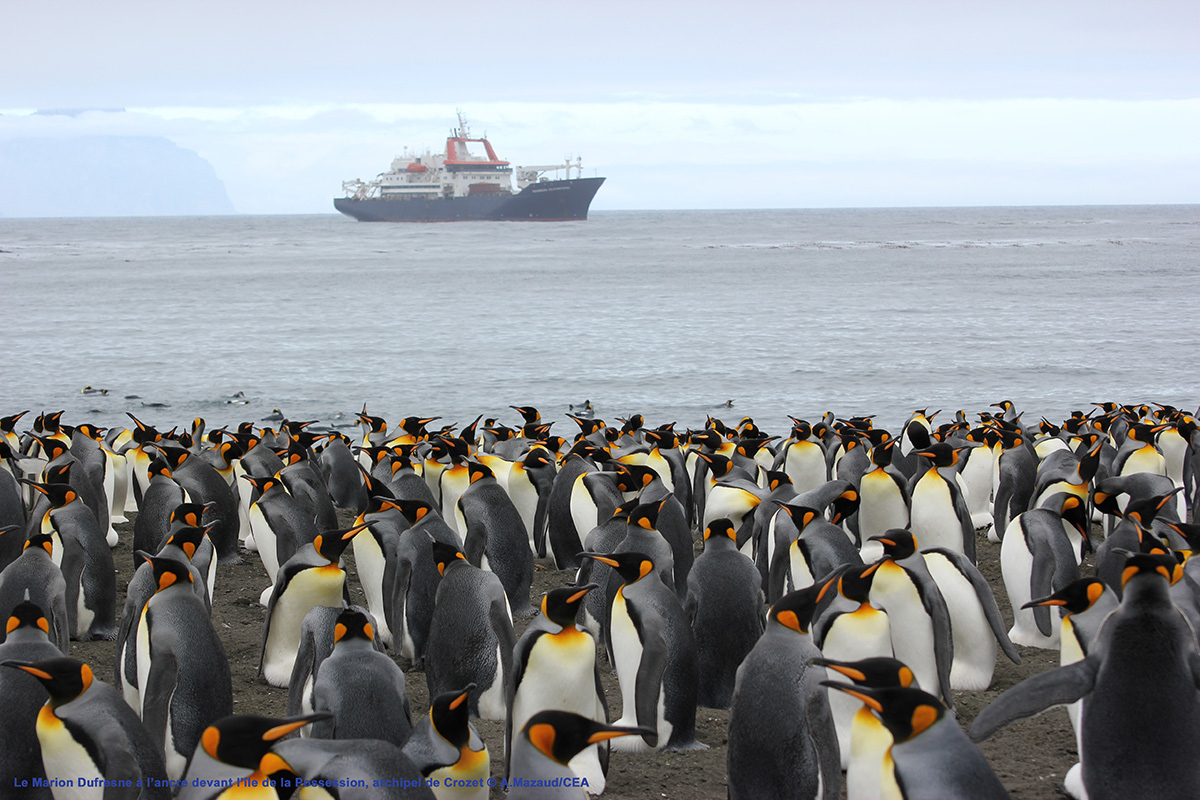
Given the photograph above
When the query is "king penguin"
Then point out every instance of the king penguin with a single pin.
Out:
(725, 609)
(234, 760)
(471, 637)
(939, 512)
(782, 741)
(544, 749)
(312, 577)
(447, 748)
(34, 577)
(20, 753)
(655, 656)
(1139, 738)
(89, 735)
(183, 675)
(494, 536)
(555, 667)
(931, 757)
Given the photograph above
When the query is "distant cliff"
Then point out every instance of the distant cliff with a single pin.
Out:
(106, 176)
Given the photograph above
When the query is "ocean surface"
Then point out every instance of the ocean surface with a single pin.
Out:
(670, 314)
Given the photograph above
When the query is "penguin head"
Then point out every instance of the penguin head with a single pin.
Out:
(663, 438)
(415, 426)
(844, 505)
(1144, 571)
(795, 610)
(561, 606)
(332, 544)
(1074, 598)
(801, 430)
(43, 540)
(881, 454)
(528, 413)
(413, 510)
(538, 457)
(245, 740)
(748, 447)
(1073, 510)
(561, 735)
(853, 583)
(720, 529)
(645, 516)
(9, 424)
(777, 479)
(1144, 510)
(167, 571)
(262, 483)
(27, 615)
(64, 678)
(634, 477)
(906, 712)
(708, 440)
(59, 494)
(940, 453)
(801, 515)
(450, 714)
(877, 672)
(90, 431)
(898, 543)
(718, 464)
(445, 555)
(189, 515)
(353, 624)
(477, 471)
(53, 448)
(631, 566)
(371, 424)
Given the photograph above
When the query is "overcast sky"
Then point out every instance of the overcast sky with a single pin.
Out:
(696, 104)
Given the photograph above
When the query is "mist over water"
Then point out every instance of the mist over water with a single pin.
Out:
(670, 314)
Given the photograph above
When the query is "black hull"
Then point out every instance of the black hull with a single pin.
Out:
(547, 201)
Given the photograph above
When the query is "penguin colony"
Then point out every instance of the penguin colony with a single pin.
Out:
(823, 587)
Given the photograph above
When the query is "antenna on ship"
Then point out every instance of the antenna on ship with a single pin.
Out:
(462, 125)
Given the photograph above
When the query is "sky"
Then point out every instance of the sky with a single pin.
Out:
(699, 104)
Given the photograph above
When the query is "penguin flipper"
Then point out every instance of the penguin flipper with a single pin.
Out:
(968, 528)
(159, 688)
(935, 606)
(1041, 577)
(648, 684)
(987, 600)
(1034, 695)
(824, 738)
(302, 669)
(62, 629)
(539, 520)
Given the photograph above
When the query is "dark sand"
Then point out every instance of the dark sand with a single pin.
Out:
(1031, 756)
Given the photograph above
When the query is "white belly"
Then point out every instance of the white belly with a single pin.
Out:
(320, 586)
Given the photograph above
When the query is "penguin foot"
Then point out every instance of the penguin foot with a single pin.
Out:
(682, 747)
(229, 560)
(103, 633)
(524, 611)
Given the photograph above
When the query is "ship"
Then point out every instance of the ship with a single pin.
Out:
(468, 182)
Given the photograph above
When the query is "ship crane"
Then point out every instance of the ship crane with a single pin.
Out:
(528, 175)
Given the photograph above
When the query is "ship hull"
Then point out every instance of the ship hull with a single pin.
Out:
(545, 201)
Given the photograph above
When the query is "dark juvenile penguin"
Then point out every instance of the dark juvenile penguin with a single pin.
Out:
(1139, 738)
(782, 742)
(183, 674)
(471, 637)
(543, 750)
(20, 753)
(34, 577)
(555, 667)
(725, 609)
(87, 732)
(494, 536)
(360, 688)
(654, 652)
(930, 756)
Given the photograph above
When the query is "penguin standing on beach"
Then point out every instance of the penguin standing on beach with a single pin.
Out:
(88, 733)
(725, 609)
(939, 513)
(87, 563)
(494, 536)
(545, 748)
(471, 637)
(35, 578)
(782, 742)
(655, 655)
(312, 577)
(184, 679)
(20, 752)
(555, 667)
(446, 747)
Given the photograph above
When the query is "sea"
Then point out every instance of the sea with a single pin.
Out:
(676, 315)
